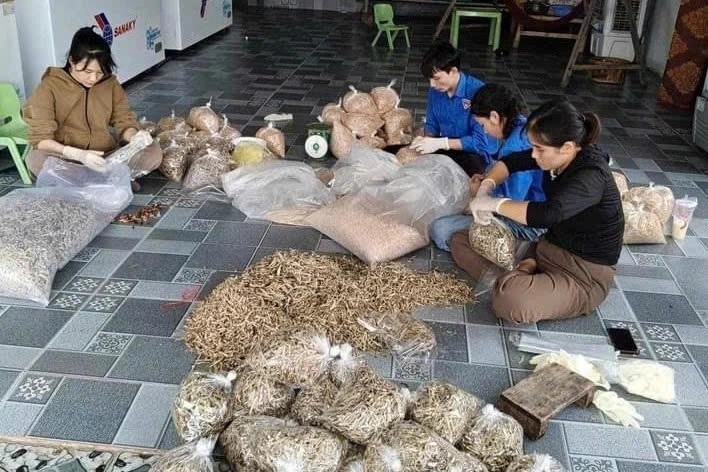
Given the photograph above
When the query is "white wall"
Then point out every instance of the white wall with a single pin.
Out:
(661, 31)
(10, 58)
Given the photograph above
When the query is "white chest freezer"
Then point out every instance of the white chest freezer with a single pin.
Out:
(10, 59)
(131, 27)
(186, 22)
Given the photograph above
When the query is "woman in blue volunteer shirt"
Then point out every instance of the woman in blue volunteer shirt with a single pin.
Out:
(497, 111)
(448, 127)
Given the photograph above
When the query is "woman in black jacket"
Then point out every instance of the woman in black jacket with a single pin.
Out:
(570, 270)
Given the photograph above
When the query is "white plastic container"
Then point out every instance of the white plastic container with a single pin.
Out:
(683, 213)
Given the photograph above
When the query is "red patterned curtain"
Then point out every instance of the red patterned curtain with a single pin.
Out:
(688, 56)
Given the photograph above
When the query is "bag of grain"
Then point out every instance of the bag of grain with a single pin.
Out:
(274, 138)
(405, 335)
(165, 138)
(407, 154)
(495, 242)
(345, 366)
(655, 198)
(146, 125)
(202, 406)
(535, 463)
(641, 226)
(332, 112)
(620, 181)
(445, 409)
(175, 160)
(342, 139)
(260, 189)
(495, 438)
(170, 123)
(373, 141)
(385, 98)
(359, 102)
(191, 457)
(132, 153)
(398, 121)
(410, 446)
(236, 439)
(366, 407)
(204, 119)
(362, 166)
(227, 131)
(362, 124)
(312, 400)
(257, 394)
(400, 139)
(249, 151)
(206, 170)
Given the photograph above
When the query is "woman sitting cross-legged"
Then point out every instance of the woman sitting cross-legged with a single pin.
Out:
(570, 270)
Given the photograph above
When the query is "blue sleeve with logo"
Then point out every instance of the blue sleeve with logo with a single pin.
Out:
(526, 185)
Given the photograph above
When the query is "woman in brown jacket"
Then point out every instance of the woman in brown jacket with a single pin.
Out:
(71, 111)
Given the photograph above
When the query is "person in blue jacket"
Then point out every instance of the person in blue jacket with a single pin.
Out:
(449, 128)
(498, 112)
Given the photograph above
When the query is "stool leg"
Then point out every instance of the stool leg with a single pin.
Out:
(390, 40)
(497, 32)
(376, 39)
(492, 27)
(517, 36)
(454, 29)
(408, 43)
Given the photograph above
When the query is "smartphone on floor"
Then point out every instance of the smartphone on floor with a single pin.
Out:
(622, 340)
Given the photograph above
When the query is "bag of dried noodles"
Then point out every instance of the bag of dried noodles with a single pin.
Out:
(293, 356)
(191, 457)
(359, 102)
(495, 438)
(202, 406)
(274, 138)
(641, 226)
(257, 394)
(365, 407)
(385, 98)
(535, 463)
(495, 242)
(204, 119)
(445, 409)
(410, 446)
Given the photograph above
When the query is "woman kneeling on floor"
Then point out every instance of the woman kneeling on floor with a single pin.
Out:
(570, 270)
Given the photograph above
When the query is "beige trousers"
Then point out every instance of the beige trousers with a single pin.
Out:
(149, 160)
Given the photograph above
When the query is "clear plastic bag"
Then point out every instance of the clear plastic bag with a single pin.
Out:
(398, 121)
(207, 170)
(260, 189)
(421, 192)
(191, 457)
(236, 439)
(202, 406)
(227, 131)
(362, 166)
(175, 161)
(345, 366)
(362, 124)
(359, 102)
(132, 151)
(257, 394)
(495, 438)
(43, 228)
(654, 198)
(620, 181)
(172, 122)
(535, 463)
(332, 112)
(641, 226)
(385, 98)
(405, 335)
(342, 139)
(407, 154)
(495, 242)
(535, 344)
(445, 409)
(204, 119)
(249, 151)
(147, 125)
(312, 400)
(274, 138)
(648, 379)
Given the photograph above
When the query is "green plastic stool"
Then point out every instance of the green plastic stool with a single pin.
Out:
(494, 15)
(383, 17)
(13, 129)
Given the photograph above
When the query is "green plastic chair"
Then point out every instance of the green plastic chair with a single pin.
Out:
(13, 129)
(383, 17)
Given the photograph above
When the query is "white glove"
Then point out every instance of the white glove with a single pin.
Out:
(428, 145)
(483, 207)
(92, 159)
(486, 187)
(617, 409)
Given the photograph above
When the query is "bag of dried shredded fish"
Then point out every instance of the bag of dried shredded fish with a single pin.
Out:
(359, 102)
(312, 400)
(535, 463)
(385, 98)
(332, 112)
(405, 335)
(43, 228)
(445, 409)
(202, 406)
(362, 124)
(641, 226)
(294, 356)
(236, 439)
(410, 446)
(365, 407)
(345, 366)
(132, 152)
(206, 170)
(257, 394)
(227, 131)
(175, 160)
(204, 119)
(495, 242)
(361, 167)
(655, 198)
(262, 190)
(171, 123)
(495, 438)
(274, 138)
(398, 125)
(146, 125)
(620, 181)
(342, 139)
(191, 457)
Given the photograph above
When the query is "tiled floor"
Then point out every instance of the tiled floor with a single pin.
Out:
(102, 362)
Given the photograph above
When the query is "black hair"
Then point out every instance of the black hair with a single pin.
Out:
(442, 56)
(87, 45)
(496, 97)
(558, 121)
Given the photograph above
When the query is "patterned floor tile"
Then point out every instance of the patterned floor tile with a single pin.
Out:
(649, 260)
(163, 201)
(192, 276)
(412, 369)
(68, 301)
(83, 285)
(200, 225)
(189, 203)
(592, 464)
(670, 352)
(632, 327)
(103, 304)
(171, 192)
(118, 287)
(35, 388)
(657, 332)
(675, 447)
(109, 343)
(86, 254)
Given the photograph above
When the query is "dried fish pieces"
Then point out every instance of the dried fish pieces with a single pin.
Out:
(654, 198)
(342, 139)
(495, 438)
(312, 400)
(386, 98)
(204, 119)
(142, 216)
(203, 405)
(535, 463)
(170, 123)
(494, 242)
(362, 124)
(445, 409)
(365, 407)
(175, 160)
(620, 181)
(257, 394)
(236, 438)
(641, 226)
(359, 102)
(407, 154)
(207, 170)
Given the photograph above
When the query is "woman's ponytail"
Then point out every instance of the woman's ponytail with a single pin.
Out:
(591, 123)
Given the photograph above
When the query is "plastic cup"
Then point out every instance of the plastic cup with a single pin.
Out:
(683, 212)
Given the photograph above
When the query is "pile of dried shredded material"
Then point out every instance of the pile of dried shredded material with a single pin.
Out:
(306, 289)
